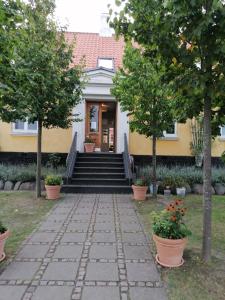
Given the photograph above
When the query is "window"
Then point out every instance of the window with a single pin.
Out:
(171, 132)
(222, 132)
(93, 117)
(107, 63)
(24, 127)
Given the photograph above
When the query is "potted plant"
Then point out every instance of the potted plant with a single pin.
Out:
(53, 186)
(89, 144)
(140, 188)
(180, 187)
(170, 234)
(4, 233)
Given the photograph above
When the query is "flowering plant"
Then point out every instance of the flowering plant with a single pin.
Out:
(169, 222)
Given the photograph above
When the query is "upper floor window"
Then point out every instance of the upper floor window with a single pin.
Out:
(171, 132)
(107, 63)
(24, 127)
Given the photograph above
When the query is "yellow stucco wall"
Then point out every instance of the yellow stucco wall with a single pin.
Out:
(59, 140)
(54, 140)
(180, 146)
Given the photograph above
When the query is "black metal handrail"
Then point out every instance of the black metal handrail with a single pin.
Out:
(126, 160)
(71, 159)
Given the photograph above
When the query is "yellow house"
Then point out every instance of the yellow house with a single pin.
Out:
(107, 124)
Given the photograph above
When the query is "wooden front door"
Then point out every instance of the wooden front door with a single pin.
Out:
(93, 123)
(100, 125)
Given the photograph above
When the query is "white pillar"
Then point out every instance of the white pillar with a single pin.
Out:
(80, 126)
(122, 127)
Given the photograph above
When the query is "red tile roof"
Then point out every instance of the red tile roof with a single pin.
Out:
(93, 46)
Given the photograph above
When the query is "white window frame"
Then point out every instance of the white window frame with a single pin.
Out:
(222, 136)
(171, 135)
(106, 59)
(26, 130)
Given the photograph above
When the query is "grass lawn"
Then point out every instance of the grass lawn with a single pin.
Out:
(195, 280)
(21, 213)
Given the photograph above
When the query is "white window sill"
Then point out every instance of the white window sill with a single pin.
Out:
(24, 133)
(169, 138)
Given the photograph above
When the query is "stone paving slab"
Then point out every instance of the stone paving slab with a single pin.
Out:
(90, 247)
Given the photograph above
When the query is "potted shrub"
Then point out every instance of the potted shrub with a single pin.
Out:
(89, 144)
(168, 185)
(140, 188)
(4, 233)
(170, 234)
(53, 186)
(180, 187)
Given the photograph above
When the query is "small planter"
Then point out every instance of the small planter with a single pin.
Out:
(151, 188)
(181, 191)
(53, 191)
(167, 193)
(139, 192)
(169, 252)
(89, 147)
(3, 238)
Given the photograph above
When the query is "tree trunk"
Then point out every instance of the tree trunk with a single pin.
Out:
(38, 172)
(154, 166)
(207, 193)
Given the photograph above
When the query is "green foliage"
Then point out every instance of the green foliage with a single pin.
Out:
(53, 180)
(223, 157)
(53, 160)
(169, 222)
(25, 173)
(141, 181)
(43, 85)
(3, 229)
(141, 92)
(177, 176)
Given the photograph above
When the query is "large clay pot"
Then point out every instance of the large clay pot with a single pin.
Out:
(89, 147)
(139, 192)
(52, 191)
(3, 238)
(169, 252)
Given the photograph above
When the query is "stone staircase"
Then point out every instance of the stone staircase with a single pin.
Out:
(98, 173)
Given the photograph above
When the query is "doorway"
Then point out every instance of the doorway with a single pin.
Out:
(101, 125)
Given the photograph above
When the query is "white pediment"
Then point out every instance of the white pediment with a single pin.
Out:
(100, 76)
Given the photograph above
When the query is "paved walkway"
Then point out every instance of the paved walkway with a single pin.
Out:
(90, 247)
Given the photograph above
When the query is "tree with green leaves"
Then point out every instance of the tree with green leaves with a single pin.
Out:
(46, 85)
(190, 37)
(11, 21)
(141, 92)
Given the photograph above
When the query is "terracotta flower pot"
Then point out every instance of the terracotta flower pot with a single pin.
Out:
(169, 252)
(89, 147)
(139, 192)
(52, 191)
(3, 238)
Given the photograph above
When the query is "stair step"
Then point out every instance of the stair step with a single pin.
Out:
(101, 189)
(99, 154)
(98, 175)
(99, 181)
(99, 159)
(99, 164)
(97, 169)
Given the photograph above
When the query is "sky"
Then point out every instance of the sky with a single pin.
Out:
(81, 15)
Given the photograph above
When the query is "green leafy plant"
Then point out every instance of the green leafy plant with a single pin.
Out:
(169, 223)
(53, 160)
(3, 229)
(141, 182)
(53, 180)
(89, 140)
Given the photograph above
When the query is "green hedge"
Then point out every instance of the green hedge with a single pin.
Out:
(189, 175)
(26, 172)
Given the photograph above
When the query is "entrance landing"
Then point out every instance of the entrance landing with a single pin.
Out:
(90, 247)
